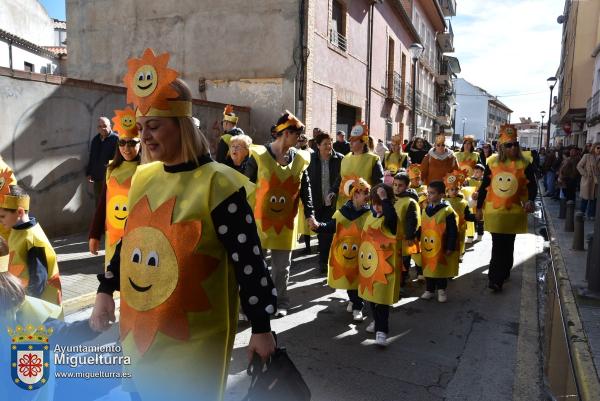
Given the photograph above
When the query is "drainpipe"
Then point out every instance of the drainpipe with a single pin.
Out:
(10, 58)
(301, 86)
(369, 63)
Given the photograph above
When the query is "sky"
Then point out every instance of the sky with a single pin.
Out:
(508, 48)
(55, 8)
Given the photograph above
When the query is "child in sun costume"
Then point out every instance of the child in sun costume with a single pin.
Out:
(230, 129)
(31, 256)
(395, 159)
(347, 224)
(379, 270)
(5, 231)
(280, 185)
(414, 175)
(506, 196)
(453, 182)
(190, 247)
(439, 242)
(471, 187)
(467, 157)
(111, 212)
(356, 165)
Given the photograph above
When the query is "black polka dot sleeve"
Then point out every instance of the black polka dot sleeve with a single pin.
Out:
(234, 223)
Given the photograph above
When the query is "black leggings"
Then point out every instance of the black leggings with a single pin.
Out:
(432, 284)
(381, 316)
(503, 247)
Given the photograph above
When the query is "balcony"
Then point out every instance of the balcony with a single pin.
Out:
(446, 39)
(337, 39)
(394, 87)
(592, 114)
(448, 7)
(408, 94)
(444, 113)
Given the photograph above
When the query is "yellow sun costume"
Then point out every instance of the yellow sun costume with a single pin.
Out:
(379, 272)
(468, 160)
(356, 166)
(118, 181)
(401, 206)
(436, 264)
(277, 198)
(229, 116)
(179, 292)
(455, 179)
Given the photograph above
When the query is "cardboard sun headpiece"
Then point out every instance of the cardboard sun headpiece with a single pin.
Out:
(414, 171)
(360, 132)
(8, 201)
(148, 81)
(291, 122)
(508, 133)
(469, 138)
(397, 139)
(440, 139)
(454, 179)
(229, 115)
(124, 123)
(352, 186)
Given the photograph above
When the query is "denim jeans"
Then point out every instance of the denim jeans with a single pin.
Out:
(550, 180)
(588, 207)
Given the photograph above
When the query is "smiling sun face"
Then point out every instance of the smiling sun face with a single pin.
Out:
(508, 185)
(431, 243)
(116, 208)
(277, 203)
(373, 254)
(344, 258)
(468, 166)
(124, 123)
(161, 274)
(148, 81)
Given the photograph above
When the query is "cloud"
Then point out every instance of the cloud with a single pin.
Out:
(510, 47)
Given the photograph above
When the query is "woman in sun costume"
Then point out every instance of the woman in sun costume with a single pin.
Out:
(111, 211)
(189, 249)
(506, 196)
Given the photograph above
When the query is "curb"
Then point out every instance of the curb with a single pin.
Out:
(586, 376)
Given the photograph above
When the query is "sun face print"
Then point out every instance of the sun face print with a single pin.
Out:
(431, 244)
(508, 185)
(468, 166)
(124, 123)
(148, 81)
(344, 260)
(277, 203)
(116, 208)
(373, 254)
(161, 274)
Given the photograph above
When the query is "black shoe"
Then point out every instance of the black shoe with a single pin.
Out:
(495, 286)
(323, 269)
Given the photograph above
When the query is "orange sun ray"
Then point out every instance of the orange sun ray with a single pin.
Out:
(124, 123)
(148, 81)
(495, 194)
(438, 257)
(169, 317)
(113, 232)
(384, 248)
(270, 209)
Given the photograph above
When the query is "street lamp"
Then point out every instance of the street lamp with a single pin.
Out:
(454, 125)
(416, 49)
(464, 120)
(551, 83)
(543, 113)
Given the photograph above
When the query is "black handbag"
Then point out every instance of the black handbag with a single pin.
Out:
(278, 380)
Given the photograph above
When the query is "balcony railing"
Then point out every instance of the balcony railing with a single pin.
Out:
(337, 39)
(592, 114)
(446, 38)
(408, 94)
(448, 7)
(397, 89)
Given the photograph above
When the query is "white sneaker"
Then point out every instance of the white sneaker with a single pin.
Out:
(371, 327)
(349, 307)
(442, 297)
(420, 277)
(281, 313)
(427, 295)
(357, 315)
(469, 240)
(381, 339)
(243, 318)
(479, 237)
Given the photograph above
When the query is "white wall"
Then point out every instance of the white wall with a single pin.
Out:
(27, 19)
(472, 104)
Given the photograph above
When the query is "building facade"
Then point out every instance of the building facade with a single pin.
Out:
(25, 31)
(331, 62)
(478, 112)
(576, 72)
(592, 116)
(530, 133)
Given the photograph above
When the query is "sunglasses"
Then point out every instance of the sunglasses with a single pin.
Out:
(131, 142)
(440, 145)
(511, 144)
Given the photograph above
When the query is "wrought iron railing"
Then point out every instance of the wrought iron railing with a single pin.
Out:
(397, 90)
(593, 108)
(337, 39)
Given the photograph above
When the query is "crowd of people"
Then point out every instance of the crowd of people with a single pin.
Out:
(186, 236)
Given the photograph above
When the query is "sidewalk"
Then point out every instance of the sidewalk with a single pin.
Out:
(575, 263)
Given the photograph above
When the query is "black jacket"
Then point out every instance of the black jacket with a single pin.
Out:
(348, 211)
(101, 152)
(314, 173)
(342, 147)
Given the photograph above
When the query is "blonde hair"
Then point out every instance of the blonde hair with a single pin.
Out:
(193, 141)
(242, 138)
(502, 156)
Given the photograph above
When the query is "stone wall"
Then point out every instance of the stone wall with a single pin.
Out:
(48, 123)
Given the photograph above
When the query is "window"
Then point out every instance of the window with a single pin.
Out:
(337, 31)
(29, 67)
(390, 68)
(524, 141)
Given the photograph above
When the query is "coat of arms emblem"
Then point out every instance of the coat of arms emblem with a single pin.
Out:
(30, 356)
